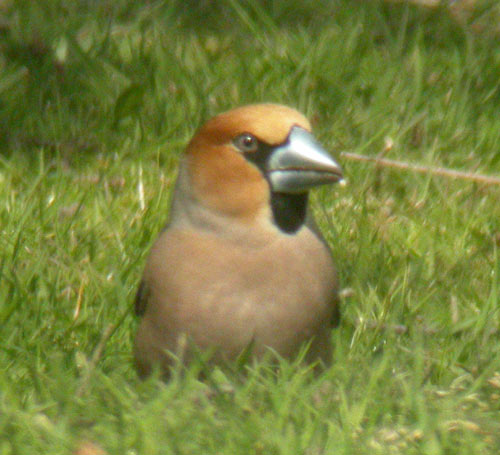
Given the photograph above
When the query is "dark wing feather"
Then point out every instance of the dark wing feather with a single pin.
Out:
(337, 315)
(141, 299)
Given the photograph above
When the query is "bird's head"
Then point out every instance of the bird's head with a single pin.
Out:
(257, 158)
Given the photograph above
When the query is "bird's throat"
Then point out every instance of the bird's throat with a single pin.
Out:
(289, 210)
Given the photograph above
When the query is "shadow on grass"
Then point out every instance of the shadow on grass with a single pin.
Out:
(79, 77)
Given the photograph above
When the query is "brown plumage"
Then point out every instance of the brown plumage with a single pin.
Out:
(240, 264)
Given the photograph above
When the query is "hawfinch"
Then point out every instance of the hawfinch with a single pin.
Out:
(241, 267)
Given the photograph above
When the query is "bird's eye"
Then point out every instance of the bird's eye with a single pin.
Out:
(246, 142)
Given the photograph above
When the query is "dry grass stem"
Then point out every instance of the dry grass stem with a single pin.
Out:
(440, 171)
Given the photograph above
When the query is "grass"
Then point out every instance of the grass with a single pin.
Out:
(97, 101)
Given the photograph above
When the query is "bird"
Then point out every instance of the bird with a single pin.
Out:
(241, 266)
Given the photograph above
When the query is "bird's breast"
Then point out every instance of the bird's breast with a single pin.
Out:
(229, 295)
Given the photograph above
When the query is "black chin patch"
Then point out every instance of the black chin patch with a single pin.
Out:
(289, 210)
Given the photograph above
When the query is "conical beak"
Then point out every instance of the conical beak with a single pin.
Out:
(300, 164)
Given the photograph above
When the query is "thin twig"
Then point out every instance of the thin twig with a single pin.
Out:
(441, 171)
(98, 352)
(96, 356)
(399, 329)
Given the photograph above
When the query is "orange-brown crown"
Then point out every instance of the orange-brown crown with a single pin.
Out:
(219, 174)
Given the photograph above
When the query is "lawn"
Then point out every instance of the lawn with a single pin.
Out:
(98, 100)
